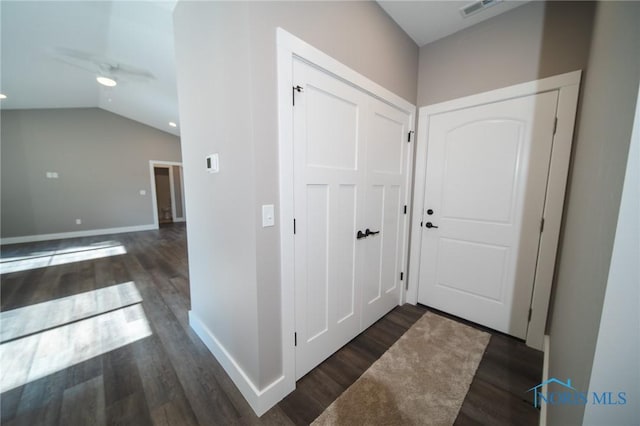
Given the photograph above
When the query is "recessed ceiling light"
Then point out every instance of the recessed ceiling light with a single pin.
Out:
(106, 81)
(172, 124)
(3, 96)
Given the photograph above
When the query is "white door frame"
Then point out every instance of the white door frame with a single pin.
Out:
(288, 47)
(568, 87)
(154, 200)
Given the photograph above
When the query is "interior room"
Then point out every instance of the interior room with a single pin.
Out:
(355, 212)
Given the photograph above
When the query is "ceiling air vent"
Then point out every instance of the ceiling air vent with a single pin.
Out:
(477, 6)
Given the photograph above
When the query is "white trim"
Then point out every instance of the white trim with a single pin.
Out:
(505, 93)
(299, 48)
(182, 218)
(288, 47)
(172, 193)
(152, 184)
(568, 87)
(545, 377)
(554, 204)
(75, 234)
(259, 400)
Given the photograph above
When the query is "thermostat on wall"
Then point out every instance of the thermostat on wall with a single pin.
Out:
(213, 163)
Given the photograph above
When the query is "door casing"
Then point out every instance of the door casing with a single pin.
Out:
(568, 86)
(154, 199)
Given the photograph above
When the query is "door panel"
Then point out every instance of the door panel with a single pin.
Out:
(329, 193)
(317, 276)
(344, 252)
(387, 158)
(332, 132)
(487, 171)
(467, 176)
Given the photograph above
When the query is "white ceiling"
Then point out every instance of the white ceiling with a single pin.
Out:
(134, 33)
(139, 34)
(428, 21)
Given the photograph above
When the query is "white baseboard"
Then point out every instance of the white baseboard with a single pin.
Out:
(545, 377)
(75, 234)
(260, 400)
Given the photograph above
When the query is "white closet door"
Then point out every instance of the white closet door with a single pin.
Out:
(487, 170)
(329, 192)
(350, 171)
(387, 157)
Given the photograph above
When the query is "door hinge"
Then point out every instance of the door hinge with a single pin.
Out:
(409, 135)
(295, 339)
(294, 227)
(555, 125)
(405, 209)
(298, 89)
(541, 225)
(530, 313)
(401, 276)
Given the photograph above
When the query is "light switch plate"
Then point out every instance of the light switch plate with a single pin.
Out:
(213, 163)
(268, 215)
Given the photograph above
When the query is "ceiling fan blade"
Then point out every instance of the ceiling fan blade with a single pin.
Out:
(101, 65)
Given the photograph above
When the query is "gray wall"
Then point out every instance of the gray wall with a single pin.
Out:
(102, 161)
(226, 67)
(615, 369)
(591, 210)
(534, 41)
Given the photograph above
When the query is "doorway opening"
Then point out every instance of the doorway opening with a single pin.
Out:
(167, 192)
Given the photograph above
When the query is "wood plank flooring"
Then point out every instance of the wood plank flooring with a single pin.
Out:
(169, 377)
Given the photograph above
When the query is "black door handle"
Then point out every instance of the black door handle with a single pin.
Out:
(430, 225)
(360, 235)
(368, 232)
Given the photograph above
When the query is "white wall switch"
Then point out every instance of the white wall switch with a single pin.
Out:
(143, 192)
(54, 175)
(268, 215)
(213, 163)
(78, 221)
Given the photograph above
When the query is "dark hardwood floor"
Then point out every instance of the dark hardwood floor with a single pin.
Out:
(163, 374)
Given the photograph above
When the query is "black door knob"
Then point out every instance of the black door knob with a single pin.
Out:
(369, 232)
(360, 235)
(429, 212)
(430, 225)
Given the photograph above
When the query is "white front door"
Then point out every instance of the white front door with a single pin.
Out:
(487, 170)
(350, 168)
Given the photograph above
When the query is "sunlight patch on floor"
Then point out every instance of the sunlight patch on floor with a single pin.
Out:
(38, 355)
(60, 257)
(31, 319)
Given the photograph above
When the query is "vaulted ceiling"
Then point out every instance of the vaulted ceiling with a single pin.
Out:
(52, 52)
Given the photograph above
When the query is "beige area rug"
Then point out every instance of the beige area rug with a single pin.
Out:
(421, 380)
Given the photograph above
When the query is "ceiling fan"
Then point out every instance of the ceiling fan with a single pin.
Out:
(103, 67)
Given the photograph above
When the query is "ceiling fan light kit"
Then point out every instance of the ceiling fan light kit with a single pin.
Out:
(106, 81)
